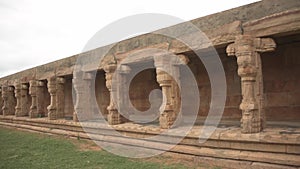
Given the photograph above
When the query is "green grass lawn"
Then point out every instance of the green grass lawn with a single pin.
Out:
(19, 149)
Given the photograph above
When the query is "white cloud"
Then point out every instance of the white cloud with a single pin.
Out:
(34, 32)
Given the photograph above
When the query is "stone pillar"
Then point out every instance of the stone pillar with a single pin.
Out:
(247, 50)
(167, 116)
(21, 91)
(24, 100)
(36, 91)
(60, 94)
(52, 90)
(9, 101)
(41, 105)
(18, 110)
(56, 89)
(123, 91)
(170, 110)
(182, 60)
(82, 86)
(1, 101)
(33, 93)
(113, 117)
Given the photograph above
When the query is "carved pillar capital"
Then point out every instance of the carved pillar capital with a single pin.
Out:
(18, 87)
(109, 71)
(33, 84)
(60, 80)
(247, 49)
(124, 69)
(183, 59)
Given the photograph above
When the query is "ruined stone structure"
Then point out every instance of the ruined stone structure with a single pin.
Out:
(258, 45)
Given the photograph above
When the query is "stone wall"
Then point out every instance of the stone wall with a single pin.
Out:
(281, 72)
(141, 86)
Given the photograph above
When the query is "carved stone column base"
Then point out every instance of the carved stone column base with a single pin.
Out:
(75, 118)
(52, 114)
(167, 119)
(33, 112)
(250, 122)
(115, 118)
(18, 112)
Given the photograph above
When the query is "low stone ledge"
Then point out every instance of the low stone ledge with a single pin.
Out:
(229, 138)
(212, 149)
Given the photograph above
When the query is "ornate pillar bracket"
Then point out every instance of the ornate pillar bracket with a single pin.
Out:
(247, 49)
(56, 89)
(113, 117)
(9, 102)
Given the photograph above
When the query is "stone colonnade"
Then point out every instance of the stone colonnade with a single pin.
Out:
(169, 111)
(247, 49)
(28, 99)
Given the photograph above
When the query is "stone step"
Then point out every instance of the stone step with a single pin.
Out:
(188, 146)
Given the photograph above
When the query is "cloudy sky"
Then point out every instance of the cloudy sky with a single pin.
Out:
(35, 32)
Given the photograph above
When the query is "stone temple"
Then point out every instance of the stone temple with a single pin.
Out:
(258, 46)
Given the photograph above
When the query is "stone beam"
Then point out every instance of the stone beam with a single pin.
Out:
(247, 49)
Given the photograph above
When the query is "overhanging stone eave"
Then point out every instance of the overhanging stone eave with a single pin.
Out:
(279, 24)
